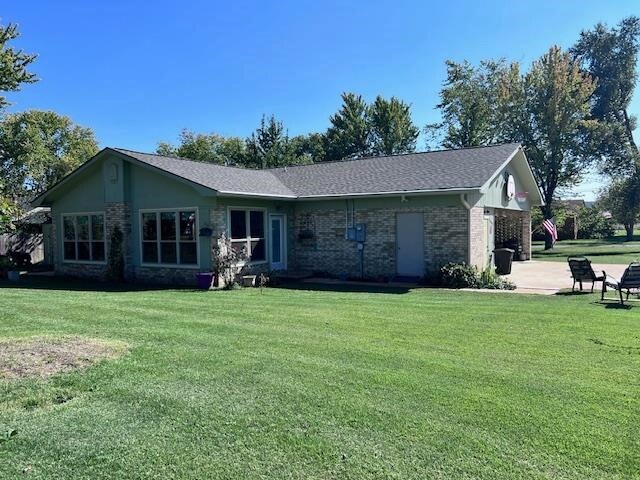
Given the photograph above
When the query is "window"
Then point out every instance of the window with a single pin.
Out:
(169, 237)
(247, 233)
(83, 237)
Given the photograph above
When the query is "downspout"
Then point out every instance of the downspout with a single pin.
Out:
(467, 206)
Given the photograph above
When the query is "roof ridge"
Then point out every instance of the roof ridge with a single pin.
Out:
(372, 157)
(183, 159)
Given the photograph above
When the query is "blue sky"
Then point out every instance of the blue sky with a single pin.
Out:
(137, 72)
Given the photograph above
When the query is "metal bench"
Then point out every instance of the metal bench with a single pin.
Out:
(582, 271)
(630, 281)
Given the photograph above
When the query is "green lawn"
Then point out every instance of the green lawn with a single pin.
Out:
(326, 384)
(607, 251)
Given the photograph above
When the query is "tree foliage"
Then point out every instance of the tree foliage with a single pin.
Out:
(8, 212)
(270, 146)
(38, 148)
(392, 130)
(349, 133)
(547, 110)
(358, 129)
(209, 148)
(13, 63)
(610, 55)
(468, 105)
(622, 199)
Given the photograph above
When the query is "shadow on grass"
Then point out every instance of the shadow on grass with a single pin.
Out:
(342, 287)
(77, 285)
(569, 293)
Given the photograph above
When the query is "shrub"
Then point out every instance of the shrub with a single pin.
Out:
(491, 280)
(225, 258)
(592, 224)
(115, 265)
(461, 275)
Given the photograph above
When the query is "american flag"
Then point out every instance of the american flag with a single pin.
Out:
(549, 225)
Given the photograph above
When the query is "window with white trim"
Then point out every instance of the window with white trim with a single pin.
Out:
(169, 237)
(247, 229)
(83, 237)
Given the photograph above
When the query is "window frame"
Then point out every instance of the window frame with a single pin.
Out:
(74, 215)
(177, 241)
(248, 238)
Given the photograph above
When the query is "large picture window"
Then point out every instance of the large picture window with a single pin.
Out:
(169, 237)
(83, 237)
(247, 233)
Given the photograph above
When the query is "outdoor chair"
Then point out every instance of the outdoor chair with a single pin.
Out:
(630, 281)
(581, 271)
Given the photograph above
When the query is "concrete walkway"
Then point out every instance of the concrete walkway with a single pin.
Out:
(547, 278)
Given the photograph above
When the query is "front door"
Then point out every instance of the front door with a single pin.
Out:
(410, 244)
(277, 242)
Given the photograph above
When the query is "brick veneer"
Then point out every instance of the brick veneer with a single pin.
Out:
(445, 240)
(476, 237)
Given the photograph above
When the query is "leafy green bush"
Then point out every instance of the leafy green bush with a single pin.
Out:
(461, 275)
(592, 224)
(491, 280)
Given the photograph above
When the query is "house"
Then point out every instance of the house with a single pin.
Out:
(391, 216)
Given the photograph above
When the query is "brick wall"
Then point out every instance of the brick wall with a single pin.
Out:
(445, 240)
(476, 237)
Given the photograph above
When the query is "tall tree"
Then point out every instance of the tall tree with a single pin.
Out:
(349, 135)
(468, 102)
(547, 110)
(13, 63)
(392, 129)
(622, 199)
(270, 146)
(209, 148)
(611, 56)
(38, 148)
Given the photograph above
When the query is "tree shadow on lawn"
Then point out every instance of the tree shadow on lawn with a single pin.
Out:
(77, 285)
(342, 287)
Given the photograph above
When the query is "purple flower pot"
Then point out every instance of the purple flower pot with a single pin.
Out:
(206, 280)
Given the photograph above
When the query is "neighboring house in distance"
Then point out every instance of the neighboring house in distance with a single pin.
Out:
(394, 216)
(32, 236)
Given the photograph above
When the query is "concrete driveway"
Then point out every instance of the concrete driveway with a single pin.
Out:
(548, 278)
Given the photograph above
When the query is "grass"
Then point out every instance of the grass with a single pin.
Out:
(324, 384)
(606, 251)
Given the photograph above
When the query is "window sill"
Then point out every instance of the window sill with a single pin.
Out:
(84, 262)
(190, 266)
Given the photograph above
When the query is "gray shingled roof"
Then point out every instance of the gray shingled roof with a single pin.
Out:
(463, 169)
(217, 177)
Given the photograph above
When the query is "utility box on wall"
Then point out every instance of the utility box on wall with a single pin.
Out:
(357, 233)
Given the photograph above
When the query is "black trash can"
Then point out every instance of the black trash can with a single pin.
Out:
(503, 258)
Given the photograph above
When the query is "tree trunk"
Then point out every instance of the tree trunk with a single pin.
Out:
(547, 214)
(629, 229)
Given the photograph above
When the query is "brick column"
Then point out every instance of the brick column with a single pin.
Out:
(526, 234)
(119, 214)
